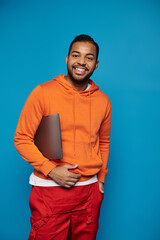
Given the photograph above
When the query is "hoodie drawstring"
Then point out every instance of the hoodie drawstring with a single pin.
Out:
(90, 123)
(74, 127)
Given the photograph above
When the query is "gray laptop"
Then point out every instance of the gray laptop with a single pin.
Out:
(48, 137)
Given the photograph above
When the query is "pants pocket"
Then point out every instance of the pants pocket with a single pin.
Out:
(36, 225)
(40, 212)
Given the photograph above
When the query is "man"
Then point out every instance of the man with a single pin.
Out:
(67, 193)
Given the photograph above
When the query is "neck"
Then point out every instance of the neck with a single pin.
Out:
(79, 86)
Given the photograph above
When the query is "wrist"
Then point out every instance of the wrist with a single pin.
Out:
(51, 173)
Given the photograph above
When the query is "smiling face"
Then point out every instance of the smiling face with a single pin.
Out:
(81, 62)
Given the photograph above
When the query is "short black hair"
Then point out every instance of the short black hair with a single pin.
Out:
(84, 38)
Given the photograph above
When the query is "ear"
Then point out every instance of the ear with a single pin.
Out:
(96, 66)
(66, 59)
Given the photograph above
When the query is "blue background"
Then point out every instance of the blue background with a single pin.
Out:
(34, 40)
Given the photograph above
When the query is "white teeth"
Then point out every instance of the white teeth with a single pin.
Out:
(80, 69)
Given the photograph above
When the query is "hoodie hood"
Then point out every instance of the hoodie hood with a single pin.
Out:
(71, 90)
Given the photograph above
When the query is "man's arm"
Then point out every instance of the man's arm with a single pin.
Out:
(28, 123)
(31, 115)
(104, 136)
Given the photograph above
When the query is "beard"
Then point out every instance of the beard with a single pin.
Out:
(81, 81)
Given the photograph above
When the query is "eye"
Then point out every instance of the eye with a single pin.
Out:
(75, 55)
(90, 58)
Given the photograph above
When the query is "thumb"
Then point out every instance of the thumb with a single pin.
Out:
(71, 166)
(101, 187)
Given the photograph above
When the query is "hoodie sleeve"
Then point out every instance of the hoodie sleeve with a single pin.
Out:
(28, 123)
(104, 136)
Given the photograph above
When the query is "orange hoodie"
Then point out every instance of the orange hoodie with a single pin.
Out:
(85, 119)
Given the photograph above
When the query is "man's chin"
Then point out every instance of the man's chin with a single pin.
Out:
(80, 79)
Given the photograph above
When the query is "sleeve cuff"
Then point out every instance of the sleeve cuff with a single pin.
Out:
(46, 167)
(101, 175)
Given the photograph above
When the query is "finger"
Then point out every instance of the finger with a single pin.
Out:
(74, 175)
(71, 180)
(71, 166)
(71, 184)
(101, 187)
(101, 190)
(67, 186)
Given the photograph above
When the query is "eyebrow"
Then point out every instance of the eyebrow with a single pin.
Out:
(86, 54)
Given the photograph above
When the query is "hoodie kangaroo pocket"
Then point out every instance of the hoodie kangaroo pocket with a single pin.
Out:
(92, 165)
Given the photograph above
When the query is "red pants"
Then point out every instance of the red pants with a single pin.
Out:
(65, 214)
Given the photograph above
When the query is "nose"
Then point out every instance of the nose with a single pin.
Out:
(81, 60)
